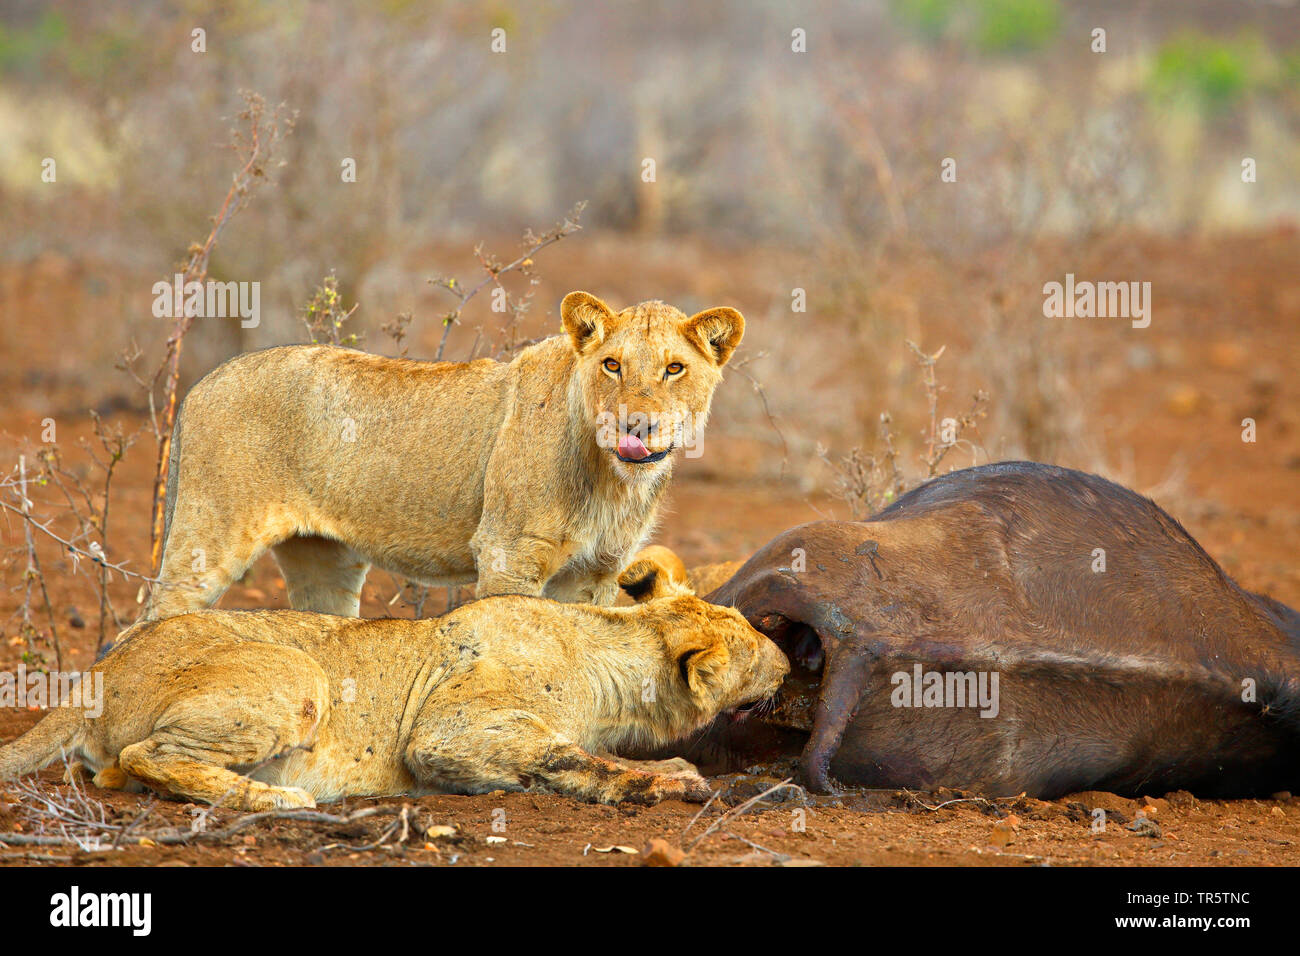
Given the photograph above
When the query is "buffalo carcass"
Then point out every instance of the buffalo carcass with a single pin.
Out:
(1020, 627)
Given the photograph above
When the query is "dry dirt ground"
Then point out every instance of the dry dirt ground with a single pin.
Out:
(871, 829)
(1227, 346)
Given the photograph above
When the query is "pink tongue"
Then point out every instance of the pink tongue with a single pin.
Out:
(629, 446)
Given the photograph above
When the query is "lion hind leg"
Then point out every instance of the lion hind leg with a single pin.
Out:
(322, 575)
(182, 775)
(202, 558)
(258, 708)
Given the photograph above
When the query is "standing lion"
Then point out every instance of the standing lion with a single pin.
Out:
(540, 476)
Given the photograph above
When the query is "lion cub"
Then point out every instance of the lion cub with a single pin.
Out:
(540, 476)
(506, 693)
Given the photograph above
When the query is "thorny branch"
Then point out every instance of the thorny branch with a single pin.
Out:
(254, 144)
(761, 392)
(32, 573)
(936, 445)
(494, 270)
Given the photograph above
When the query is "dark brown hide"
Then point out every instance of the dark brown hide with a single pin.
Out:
(1158, 673)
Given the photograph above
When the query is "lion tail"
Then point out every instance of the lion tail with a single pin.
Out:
(49, 739)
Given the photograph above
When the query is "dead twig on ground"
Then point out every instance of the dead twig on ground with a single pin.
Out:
(74, 819)
(736, 811)
(925, 806)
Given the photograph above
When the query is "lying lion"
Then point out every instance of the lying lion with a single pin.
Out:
(540, 476)
(506, 693)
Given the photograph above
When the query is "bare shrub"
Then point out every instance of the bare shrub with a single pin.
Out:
(504, 339)
(88, 508)
(324, 315)
(254, 143)
(868, 481)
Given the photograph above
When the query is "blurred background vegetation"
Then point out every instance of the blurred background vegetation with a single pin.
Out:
(775, 170)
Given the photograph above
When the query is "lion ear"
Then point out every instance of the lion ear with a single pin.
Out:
(641, 581)
(585, 319)
(655, 572)
(702, 667)
(716, 332)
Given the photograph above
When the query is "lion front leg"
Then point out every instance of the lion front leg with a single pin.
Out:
(520, 565)
(672, 767)
(517, 751)
(571, 770)
(600, 588)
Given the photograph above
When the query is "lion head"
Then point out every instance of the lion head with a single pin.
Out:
(725, 665)
(645, 376)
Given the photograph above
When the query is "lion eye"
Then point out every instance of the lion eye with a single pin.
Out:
(675, 368)
(611, 365)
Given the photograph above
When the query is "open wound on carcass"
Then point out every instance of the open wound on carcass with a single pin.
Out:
(797, 700)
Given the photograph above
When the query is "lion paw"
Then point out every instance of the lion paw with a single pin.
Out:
(291, 798)
(676, 766)
(685, 785)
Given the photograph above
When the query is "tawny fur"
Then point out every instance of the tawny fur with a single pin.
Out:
(505, 693)
(446, 473)
(656, 571)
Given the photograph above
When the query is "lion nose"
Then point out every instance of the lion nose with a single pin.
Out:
(644, 429)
